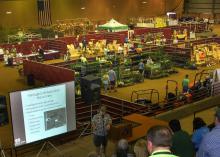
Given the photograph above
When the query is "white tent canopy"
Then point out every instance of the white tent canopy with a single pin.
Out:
(113, 26)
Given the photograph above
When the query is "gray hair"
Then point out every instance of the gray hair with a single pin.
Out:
(123, 144)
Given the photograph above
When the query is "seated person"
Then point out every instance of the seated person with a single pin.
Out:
(200, 130)
(140, 149)
(33, 49)
(181, 140)
(10, 60)
(40, 53)
(122, 149)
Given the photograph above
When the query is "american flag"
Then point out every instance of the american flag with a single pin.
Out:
(44, 12)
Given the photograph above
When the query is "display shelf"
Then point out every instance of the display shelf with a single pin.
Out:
(125, 75)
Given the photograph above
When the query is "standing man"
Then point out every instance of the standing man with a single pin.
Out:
(185, 84)
(101, 124)
(112, 78)
(84, 43)
(159, 141)
(141, 69)
(210, 145)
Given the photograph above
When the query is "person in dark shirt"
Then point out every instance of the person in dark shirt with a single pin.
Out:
(40, 53)
(84, 43)
(182, 145)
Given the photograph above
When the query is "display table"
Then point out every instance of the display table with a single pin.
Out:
(51, 54)
(48, 55)
(144, 122)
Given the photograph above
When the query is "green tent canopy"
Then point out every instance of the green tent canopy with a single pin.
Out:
(113, 26)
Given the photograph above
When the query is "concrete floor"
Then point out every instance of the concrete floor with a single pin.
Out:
(84, 145)
(11, 81)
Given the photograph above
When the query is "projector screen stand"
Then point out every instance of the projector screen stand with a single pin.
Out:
(88, 124)
(2, 150)
(84, 130)
(45, 145)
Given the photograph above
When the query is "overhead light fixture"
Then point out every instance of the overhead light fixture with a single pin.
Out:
(83, 8)
(8, 12)
(144, 2)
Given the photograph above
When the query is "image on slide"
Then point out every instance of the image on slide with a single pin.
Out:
(55, 118)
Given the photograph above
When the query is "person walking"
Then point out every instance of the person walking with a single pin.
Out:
(112, 78)
(101, 124)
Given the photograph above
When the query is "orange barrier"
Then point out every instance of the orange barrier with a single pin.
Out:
(145, 123)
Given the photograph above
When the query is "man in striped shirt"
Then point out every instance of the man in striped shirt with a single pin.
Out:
(210, 145)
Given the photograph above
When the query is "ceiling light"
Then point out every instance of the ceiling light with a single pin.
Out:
(83, 8)
(144, 2)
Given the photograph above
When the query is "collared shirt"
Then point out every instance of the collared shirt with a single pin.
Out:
(141, 66)
(101, 123)
(162, 153)
(210, 146)
(198, 135)
(112, 75)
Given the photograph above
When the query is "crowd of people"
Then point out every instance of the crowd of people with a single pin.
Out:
(160, 141)
(12, 56)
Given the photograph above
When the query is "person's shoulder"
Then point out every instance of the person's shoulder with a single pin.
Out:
(214, 132)
(205, 129)
(96, 116)
(185, 133)
(202, 130)
(181, 133)
(107, 115)
(114, 155)
(211, 136)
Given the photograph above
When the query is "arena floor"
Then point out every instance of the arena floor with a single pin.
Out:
(10, 80)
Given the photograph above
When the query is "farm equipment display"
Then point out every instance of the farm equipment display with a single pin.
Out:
(149, 98)
(201, 87)
(171, 96)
